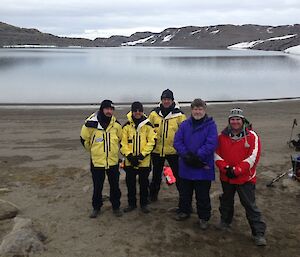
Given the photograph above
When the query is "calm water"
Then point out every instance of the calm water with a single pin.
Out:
(126, 74)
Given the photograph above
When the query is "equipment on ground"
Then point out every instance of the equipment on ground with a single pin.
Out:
(168, 173)
(293, 173)
(294, 124)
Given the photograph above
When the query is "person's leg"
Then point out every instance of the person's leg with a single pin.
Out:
(227, 202)
(113, 175)
(202, 188)
(185, 200)
(98, 176)
(158, 163)
(247, 197)
(144, 186)
(131, 186)
(173, 162)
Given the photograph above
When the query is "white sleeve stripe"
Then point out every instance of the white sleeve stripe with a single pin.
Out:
(252, 158)
(218, 157)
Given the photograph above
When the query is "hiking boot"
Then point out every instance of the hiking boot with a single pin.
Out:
(174, 210)
(118, 212)
(94, 214)
(182, 216)
(223, 226)
(129, 208)
(145, 209)
(203, 224)
(260, 240)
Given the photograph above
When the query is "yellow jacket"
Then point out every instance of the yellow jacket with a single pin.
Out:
(166, 128)
(103, 145)
(136, 141)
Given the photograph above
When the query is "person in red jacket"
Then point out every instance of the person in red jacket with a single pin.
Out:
(236, 157)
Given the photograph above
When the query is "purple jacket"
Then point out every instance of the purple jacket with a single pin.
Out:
(202, 141)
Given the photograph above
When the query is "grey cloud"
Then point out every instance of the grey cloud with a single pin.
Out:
(74, 16)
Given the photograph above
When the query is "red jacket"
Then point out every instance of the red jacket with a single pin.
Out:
(235, 153)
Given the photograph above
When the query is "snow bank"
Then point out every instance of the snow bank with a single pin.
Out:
(293, 50)
(140, 41)
(251, 44)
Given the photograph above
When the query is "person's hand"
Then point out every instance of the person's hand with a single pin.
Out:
(134, 160)
(230, 172)
(193, 160)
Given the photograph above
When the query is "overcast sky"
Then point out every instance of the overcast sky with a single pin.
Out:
(103, 18)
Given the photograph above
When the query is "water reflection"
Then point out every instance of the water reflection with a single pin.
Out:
(7, 63)
(126, 74)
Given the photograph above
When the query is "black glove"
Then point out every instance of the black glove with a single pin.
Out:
(134, 160)
(230, 172)
(193, 160)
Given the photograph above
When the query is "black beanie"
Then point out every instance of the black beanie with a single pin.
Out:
(137, 106)
(106, 104)
(167, 94)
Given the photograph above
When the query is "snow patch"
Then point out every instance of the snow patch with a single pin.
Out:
(140, 41)
(196, 31)
(293, 50)
(167, 38)
(269, 30)
(29, 46)
(280, 38)
(251, 44)
(215, 32)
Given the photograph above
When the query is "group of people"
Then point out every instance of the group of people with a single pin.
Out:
(191, 146)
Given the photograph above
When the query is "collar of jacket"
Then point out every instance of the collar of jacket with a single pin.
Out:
(92, 122)
(227, 132)
(144, 121)
(176, 112)
(206, 122)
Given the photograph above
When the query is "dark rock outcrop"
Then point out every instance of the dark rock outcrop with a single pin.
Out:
(207, 37)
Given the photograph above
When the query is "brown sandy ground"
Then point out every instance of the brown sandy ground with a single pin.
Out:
(47, 171)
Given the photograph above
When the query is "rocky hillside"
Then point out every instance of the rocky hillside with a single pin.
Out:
(208, 37)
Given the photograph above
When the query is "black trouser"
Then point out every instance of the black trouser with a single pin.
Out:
(143, 174)
(158, 164)
(202, 188)
(98, 175)
(246, 194)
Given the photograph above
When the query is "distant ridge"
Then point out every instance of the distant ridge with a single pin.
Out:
(276, 38)
(153, 103)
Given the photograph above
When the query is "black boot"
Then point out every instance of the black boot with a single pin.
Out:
(129, 208)
(94, 214)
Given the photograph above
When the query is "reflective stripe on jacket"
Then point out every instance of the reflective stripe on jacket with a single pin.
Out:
(103, 144)
(166, 127)
(136, 141)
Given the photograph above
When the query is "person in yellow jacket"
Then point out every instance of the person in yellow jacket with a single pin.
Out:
(166, 119)
(138, 141)
(101, 135)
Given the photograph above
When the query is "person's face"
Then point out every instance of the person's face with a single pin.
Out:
(108, 112)
(166, 102)
(137, 114)
(236, 123)
(198, 112)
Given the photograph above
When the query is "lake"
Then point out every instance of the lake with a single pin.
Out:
(125, 74)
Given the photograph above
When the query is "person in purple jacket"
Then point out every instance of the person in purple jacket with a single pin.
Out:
(195, 142)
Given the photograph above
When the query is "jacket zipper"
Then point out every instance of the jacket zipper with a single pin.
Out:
(163, 138)
(139, 145)
(167, 128)
(106, 138)
(133, 150)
